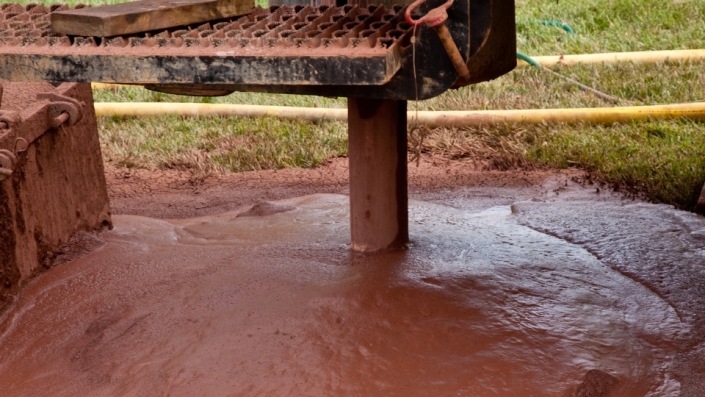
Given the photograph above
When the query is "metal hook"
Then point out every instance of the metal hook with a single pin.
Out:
(26, 146)
(436, 18)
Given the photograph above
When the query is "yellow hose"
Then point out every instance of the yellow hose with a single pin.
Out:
(111, 86)
(458, 119)
(614, 57)
(206, 109)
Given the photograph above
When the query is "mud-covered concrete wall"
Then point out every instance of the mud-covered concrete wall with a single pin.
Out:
(57, 187)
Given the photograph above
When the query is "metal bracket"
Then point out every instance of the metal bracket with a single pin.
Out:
(56, 111)
(8, 119)
(62, 110)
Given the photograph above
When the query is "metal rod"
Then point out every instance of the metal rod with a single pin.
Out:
(452, 50)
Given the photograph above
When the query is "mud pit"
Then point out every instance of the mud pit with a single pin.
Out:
(492, 299)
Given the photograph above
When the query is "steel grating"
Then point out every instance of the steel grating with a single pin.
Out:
(281, 45)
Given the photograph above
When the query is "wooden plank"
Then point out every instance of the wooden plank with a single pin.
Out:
(700, 206)
(144, 16)
(379, 218)
(195, 69)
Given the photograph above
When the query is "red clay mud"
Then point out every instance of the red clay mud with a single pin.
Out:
(533, 299)
(169, 194)
(277, 305)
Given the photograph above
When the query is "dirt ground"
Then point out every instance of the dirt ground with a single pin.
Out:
(170, 194)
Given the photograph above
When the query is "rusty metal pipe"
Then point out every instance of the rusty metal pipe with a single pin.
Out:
(458, 62)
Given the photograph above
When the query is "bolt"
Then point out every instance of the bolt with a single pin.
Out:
(5, 173)
(61, 119)
(7, 163)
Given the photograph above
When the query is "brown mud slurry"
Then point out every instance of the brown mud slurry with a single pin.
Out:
(539, 287)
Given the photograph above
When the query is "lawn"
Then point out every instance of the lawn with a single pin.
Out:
(665, 160)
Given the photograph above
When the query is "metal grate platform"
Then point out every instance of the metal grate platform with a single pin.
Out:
(286, 45)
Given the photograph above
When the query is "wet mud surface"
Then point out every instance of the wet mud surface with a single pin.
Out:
(514, 289)
(169, 194)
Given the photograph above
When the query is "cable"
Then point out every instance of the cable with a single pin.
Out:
(600, 94)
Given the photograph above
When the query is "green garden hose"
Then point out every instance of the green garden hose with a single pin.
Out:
(557, 24)
(600, 94)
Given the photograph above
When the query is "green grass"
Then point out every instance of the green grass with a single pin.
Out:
(219, 144)
(663, 160)
(646, 158)
(610, 25)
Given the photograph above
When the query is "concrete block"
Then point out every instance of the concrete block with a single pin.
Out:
(57, 187)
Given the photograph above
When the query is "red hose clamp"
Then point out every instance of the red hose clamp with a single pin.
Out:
(433, 18)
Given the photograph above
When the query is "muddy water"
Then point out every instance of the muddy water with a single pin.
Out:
(271, 302)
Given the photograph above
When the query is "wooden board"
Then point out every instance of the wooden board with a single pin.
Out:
(60, 64)
(144, 16)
